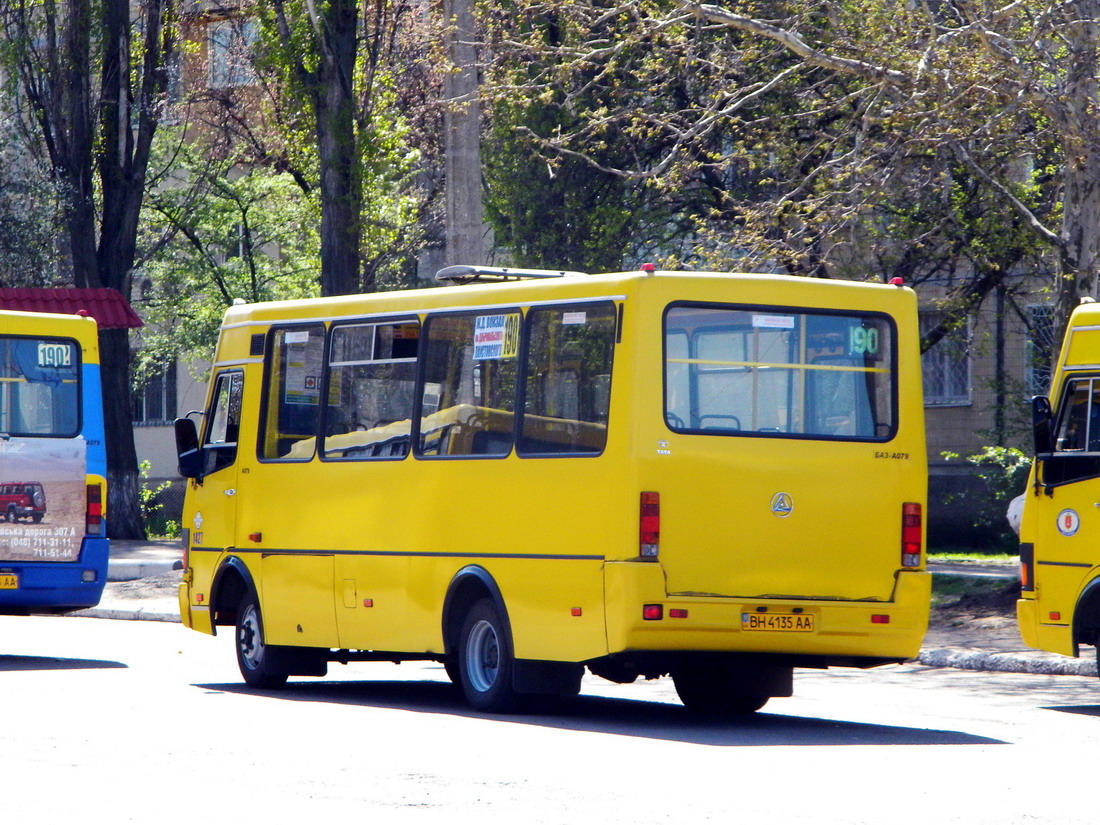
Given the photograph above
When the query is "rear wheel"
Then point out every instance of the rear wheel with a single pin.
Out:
(715, 692)
(485, 660)
(253, 656)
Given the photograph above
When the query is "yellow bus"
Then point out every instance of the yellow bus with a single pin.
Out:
(716, 477)
(1059, 605)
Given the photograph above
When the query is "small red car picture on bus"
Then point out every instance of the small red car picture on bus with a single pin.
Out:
(22, 499)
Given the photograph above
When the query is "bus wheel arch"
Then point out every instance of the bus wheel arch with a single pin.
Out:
(469, 585)
(1086, 616)
(477, 637)
(231, 584)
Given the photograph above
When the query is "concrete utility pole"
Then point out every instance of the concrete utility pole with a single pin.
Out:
(465, 225)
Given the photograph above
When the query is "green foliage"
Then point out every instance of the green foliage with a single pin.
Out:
(357, 152)
(563, 213)
(1003, 472)
(734, 153)
(216, 233)
(152, 506)
(30, 220)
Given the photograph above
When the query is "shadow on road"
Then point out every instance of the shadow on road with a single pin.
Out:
(1083, 710)
(621, 717)
(14, 663)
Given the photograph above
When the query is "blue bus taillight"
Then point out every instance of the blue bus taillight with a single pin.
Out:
(93, 512)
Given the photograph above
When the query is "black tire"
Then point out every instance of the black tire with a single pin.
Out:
(253, 656)
(450, 665)
(485, 660)
(712, 692)
(12, 515)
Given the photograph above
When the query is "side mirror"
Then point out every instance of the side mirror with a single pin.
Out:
(1041, 418)
(187, 448)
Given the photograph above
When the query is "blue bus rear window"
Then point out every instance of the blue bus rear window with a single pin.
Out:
(39, 386)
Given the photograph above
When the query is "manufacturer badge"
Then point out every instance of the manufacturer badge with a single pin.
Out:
(782, 504)
(1068, 522)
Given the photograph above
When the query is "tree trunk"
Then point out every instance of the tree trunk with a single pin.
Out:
(465, 224)
(124, 520)
(1080, 129)
(338, 151)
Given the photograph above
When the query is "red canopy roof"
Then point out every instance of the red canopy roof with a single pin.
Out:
(107, 306)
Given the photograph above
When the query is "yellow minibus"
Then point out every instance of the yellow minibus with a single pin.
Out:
(1059, 605)
(524, 474)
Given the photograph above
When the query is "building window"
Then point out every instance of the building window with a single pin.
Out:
(155, 403)
(946, 366)
(1039, 349)
(230, 53)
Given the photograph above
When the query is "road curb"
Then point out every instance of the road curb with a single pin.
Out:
(1006, 662)
(127, 615)
(125, 571)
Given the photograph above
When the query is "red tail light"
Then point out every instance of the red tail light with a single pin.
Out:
(912, 529)
(93, 510)
(649, 525)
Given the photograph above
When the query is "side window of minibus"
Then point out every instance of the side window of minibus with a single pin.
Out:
(372, 378)
(223, 422)
(292, 393)
(567, 390)
(468, 395)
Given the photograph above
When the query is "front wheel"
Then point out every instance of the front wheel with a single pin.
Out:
(253, 656)
(485, 660)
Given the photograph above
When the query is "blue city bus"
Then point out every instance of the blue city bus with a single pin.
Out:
(53, 464)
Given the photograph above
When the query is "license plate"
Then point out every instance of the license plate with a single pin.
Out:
(778, 622)
(9, 581)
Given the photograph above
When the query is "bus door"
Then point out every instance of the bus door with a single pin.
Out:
(214, 522)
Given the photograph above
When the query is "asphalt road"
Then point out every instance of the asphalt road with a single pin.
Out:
(148, 722)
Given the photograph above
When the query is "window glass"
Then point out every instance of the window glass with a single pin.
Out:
(372, 378)
(293, 393)
(791, 373)
(568, 379)
(39, 386)
(224, 423)
(468, 398)
(1079, 423)
(1039, 348)
(946, 366)
(1077, 434)
(230, 47)
(155, 402)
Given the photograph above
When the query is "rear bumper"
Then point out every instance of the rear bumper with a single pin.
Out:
(57, 587)
(841, 630)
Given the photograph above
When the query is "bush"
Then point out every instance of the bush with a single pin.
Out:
(1003, 472)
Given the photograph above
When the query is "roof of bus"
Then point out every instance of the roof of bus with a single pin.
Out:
(494, 292)
(107, 306)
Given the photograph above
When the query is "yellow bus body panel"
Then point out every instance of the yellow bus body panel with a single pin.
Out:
(1065, 561)
(360, 554)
